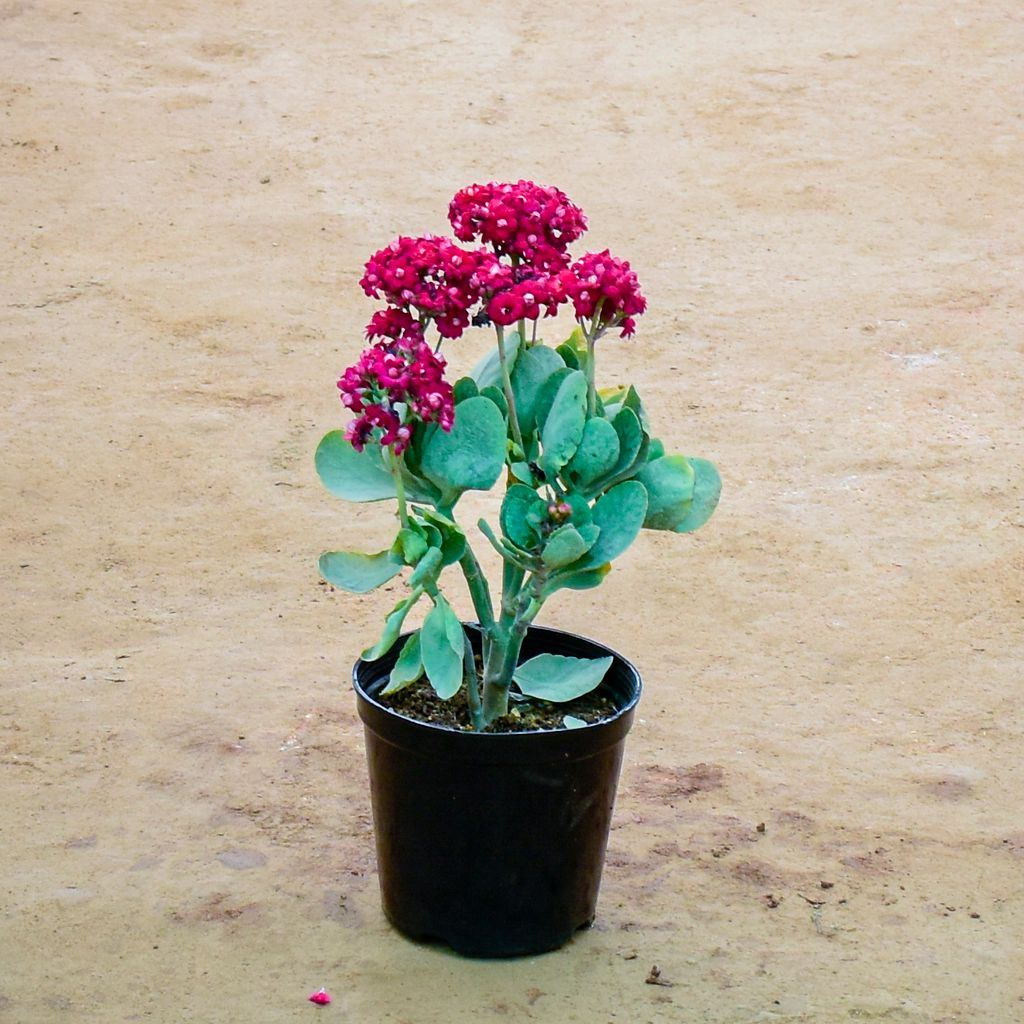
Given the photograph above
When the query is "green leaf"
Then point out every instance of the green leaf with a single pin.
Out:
(597, 453)
(558, 678)
(442, 649)
(521, 471)
(472, 455)
(352, 475)
(450, 535)
(358, 573)
(669, 482)
(392, 627)
(620, 513)
(519, 500)
(546, 395)
(632, 401)
(563, 427)
(408, 668)
(585, 579)
(410, 544)
(571, 722)
(706, 492)
(488, 370)
(464, 387)
(533, 368)
(428, 569)
(564, 546)
(569, 356)
(497, 396)
(631, 435)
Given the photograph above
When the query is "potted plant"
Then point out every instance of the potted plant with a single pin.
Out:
(494, 747)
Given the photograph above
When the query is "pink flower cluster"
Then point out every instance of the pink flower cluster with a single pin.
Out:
(529, 297)
(525, 275)
(604, 286)
(531, 222)
(390, 374)
(434, 276)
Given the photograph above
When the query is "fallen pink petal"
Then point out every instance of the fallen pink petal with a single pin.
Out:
(321, 998)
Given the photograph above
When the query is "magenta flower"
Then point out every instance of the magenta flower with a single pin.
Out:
(394, 384)
(534, 223)
(321, 998)
(607, 287)
(433, 276)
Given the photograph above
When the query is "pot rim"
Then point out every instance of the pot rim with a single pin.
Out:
(542, 744)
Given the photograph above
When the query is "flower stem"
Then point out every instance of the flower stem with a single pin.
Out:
(506, 381)
(395, 465)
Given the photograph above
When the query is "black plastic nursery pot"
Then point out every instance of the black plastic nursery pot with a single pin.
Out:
(494, 842)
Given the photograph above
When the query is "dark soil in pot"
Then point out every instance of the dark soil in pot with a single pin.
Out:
(494, 842)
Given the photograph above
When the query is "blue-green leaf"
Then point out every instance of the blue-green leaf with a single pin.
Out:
(497, 396)
(392, 627)
(706, 492)
(563, 426)
(597, 453)
(585, 579)
(355, 476)
(442, 649)
(463, 388)
(572, 722)
(358, 573)
(410, 544)
(546, 395)
(558, 678)
(488, 370)
(428, 569)
(620, 513)
(565, 545)
(669, 482)
(519, 500)
(408, 668)
(472, 455)
(533, 367)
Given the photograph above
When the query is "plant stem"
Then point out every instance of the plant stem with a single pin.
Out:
(395, 465)
(476, 711)
(506, 381)
(479, 592)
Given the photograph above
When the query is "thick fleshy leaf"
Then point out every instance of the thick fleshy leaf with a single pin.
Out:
(442, 649)
(564, 546)
(428, 569)
(358, 573)
(352, 475)
(563, 427)
(449, 535)
(463, 388)
(497, 396)
(546, 395)
(706, 492)
(620, 513)
(597, 453)
(392, 627)
(411, 544)
(488, 370)
(518, 501)
(408, 668)
(572, 722)
(585, 579)
(669, 482)
(470, 457)
(533, 368)
(558, 678)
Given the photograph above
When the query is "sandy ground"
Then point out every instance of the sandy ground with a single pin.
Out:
(823, 203)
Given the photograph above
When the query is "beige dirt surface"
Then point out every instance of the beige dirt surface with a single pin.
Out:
(821, 813)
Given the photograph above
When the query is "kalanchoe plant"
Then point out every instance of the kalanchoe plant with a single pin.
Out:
(582, 473)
